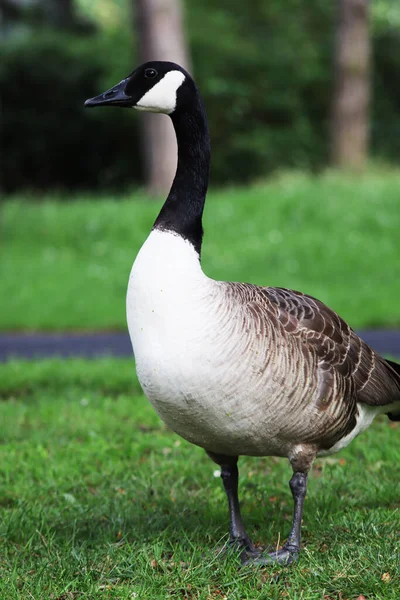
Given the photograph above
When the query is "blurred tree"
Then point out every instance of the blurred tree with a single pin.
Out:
(159, 24)
(266, 80)
(61, 14)
(10, 9)
(14, 13)
(351, 97)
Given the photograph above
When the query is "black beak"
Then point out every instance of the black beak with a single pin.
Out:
(113, 97)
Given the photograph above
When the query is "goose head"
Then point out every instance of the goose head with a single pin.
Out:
(156, 86)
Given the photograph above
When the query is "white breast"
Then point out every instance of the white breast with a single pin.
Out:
(168, 303)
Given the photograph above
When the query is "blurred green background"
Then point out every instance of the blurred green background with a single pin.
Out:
(264, 70)
(283, 209)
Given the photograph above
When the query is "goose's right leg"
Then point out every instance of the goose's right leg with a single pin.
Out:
(230, 479)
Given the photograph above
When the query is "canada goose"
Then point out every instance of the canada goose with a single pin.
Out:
(235, 368)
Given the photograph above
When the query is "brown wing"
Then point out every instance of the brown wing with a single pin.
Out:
(341, 353)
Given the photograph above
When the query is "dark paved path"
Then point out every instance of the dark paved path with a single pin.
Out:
(92, 345)
(88, 345)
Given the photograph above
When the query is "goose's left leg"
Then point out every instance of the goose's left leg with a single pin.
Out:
(301, 461)
(290, 551)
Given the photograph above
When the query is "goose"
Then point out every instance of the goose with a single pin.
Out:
(235, 368)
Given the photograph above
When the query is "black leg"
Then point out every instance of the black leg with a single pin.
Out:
(298, 486)
(290, 551)
(230, 479)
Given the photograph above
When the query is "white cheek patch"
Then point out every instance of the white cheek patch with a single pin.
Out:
(162, 97)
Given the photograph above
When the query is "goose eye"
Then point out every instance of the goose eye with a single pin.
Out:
(150, 73)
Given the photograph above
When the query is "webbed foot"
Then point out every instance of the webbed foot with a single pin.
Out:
(285, 556)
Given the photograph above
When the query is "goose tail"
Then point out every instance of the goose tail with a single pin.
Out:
(396, 367)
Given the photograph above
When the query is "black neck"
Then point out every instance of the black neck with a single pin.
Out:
(183, 209)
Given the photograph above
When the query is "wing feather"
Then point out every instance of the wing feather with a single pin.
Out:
(345, 361)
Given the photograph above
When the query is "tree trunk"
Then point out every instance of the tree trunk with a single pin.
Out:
(161, 37)
(350, 110)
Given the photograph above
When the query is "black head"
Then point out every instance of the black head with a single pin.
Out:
(155, 86)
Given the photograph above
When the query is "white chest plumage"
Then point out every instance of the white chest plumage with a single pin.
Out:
(166, 308)
(167, 304)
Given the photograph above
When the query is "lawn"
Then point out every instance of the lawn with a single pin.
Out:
(65, 264)
(99, 500)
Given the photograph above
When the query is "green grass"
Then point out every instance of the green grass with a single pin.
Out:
(65, 265)
(99, 500)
